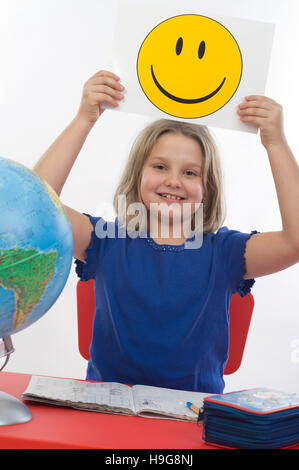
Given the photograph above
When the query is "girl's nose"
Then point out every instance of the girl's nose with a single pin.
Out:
(173, 180)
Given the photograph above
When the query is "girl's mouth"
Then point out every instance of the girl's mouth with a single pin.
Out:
(171, 198)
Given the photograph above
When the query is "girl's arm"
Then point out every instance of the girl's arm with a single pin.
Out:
(271, 252)
(56, 164)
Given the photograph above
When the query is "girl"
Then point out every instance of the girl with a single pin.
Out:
(162, 310)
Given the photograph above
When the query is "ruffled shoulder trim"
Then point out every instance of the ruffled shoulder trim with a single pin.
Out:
(245, 285)
(79, 268)
(86, 270)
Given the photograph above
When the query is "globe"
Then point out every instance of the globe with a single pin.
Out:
(36, 247)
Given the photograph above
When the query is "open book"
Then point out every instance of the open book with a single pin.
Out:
(111, 397)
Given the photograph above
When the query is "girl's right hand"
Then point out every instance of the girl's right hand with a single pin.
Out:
(102, 88)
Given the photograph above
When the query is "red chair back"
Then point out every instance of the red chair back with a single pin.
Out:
(240, 312)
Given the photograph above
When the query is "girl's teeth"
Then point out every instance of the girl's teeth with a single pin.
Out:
(171, 197)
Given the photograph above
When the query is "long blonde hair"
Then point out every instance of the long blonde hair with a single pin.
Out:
(129, 185)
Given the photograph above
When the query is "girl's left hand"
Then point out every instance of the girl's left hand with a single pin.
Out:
(267, 115)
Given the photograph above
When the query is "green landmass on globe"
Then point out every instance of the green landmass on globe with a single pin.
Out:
(36, 247)
(26, 272)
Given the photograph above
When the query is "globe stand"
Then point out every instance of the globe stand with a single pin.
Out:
(12, 410)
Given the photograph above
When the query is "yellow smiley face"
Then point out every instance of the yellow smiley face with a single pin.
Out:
(189, 66)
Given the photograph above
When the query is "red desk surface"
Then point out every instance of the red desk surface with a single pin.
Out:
(65, 428)
(54, 427)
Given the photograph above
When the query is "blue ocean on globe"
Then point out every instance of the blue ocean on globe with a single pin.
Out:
(36, 247)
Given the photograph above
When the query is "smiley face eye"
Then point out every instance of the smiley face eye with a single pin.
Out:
(201, 49)
(179, 46)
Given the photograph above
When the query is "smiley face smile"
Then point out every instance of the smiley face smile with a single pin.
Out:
(184, 100)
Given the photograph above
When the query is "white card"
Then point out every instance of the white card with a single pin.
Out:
(188, 65)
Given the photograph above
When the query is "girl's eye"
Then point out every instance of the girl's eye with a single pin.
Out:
(159, 167)
(190, 173)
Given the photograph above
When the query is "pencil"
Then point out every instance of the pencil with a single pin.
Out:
(193, 407)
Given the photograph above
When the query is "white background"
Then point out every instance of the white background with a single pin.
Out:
(48, 49)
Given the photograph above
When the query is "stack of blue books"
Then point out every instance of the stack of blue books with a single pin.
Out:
(259, 418)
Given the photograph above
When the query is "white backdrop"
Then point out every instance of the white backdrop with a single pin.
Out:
(48, 49)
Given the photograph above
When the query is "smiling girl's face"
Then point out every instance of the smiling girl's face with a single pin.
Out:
(173, 173)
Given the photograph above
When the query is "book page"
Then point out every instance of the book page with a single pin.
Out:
(113, 397)
(167, 402)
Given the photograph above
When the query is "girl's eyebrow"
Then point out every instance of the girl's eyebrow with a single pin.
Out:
(190, 164)
(157, 157)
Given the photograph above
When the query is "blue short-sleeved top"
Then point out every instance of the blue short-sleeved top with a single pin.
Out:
(162, 311)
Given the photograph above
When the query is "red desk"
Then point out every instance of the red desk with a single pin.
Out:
(64, 428)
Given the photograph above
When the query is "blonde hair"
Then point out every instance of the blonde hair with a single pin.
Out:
(213, 206)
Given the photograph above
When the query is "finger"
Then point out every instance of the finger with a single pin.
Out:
(106, 73)
(106, 90)
(255, 104)
(106, 81)
(260, 98)
(253, 120)
(259, 112)
(104, 98)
